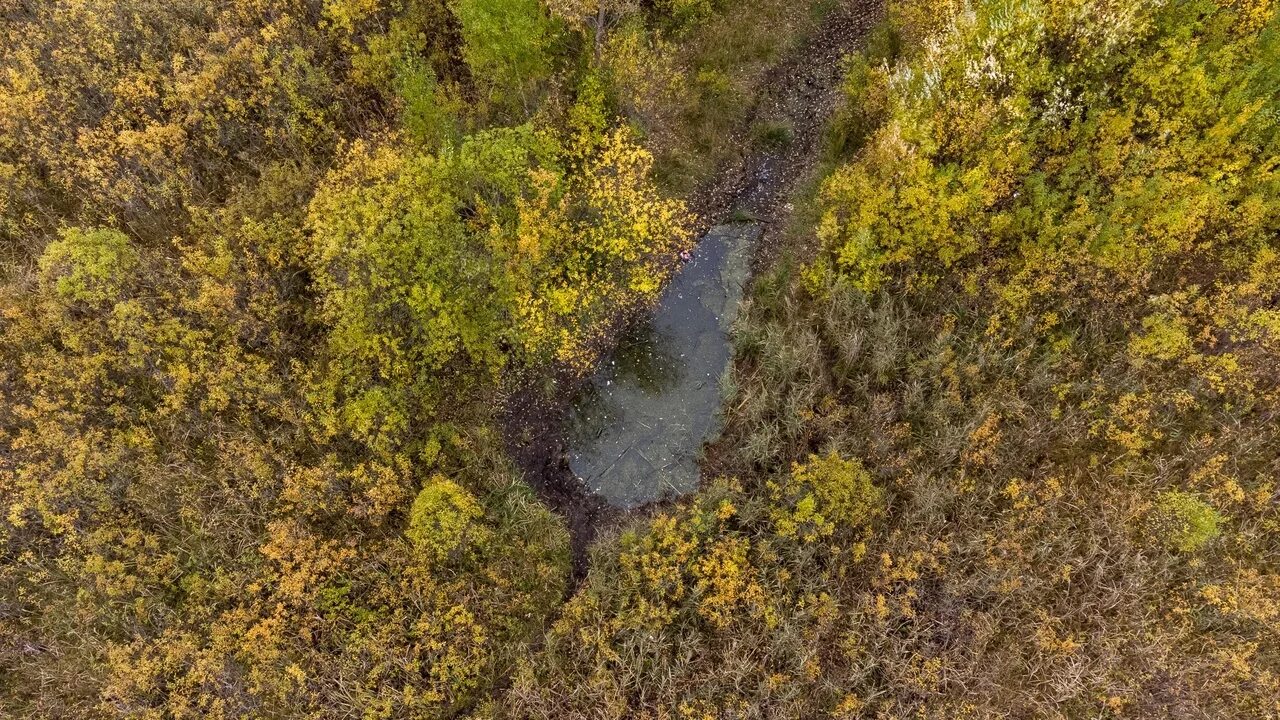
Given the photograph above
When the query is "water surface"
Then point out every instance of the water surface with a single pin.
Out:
(638, 428)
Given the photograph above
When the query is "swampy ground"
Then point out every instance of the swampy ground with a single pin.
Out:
(777, 149)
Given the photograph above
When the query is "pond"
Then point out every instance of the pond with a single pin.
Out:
(637, 429)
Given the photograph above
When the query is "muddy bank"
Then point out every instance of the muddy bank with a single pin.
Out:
(633, 431)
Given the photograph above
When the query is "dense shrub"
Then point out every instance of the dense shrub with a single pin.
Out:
(724, 605)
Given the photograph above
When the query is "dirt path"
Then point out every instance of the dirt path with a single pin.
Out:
(797, 96)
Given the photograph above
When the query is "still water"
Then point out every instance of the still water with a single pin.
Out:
(638, 428)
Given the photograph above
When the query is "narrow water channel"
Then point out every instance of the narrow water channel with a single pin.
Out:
(637, 429)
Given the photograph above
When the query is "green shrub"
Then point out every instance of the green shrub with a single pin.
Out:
(774, 134)
(88, 266)
(428, 115)
(826, 494)
(1184, 522)
(445, 519)
(506, 43)
(687, 13)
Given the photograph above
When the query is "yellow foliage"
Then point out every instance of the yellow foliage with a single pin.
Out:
(444, 519)
(825, 494)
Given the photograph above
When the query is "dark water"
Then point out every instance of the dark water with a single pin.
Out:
(638, 429)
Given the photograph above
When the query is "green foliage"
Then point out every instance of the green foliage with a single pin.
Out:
(588, 119)
(866, 93)
(450, 265)
(774, 135)
(687, 73)
(1184, 521)
(407, 284)
(688, 13)
(830, 492)
(955, 149)
(90, 267)
(507, 44)
(429, 116)
(444, 518)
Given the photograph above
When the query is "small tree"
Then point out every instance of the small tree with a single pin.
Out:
(596, 16)
(445, 521)
(506, 45)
